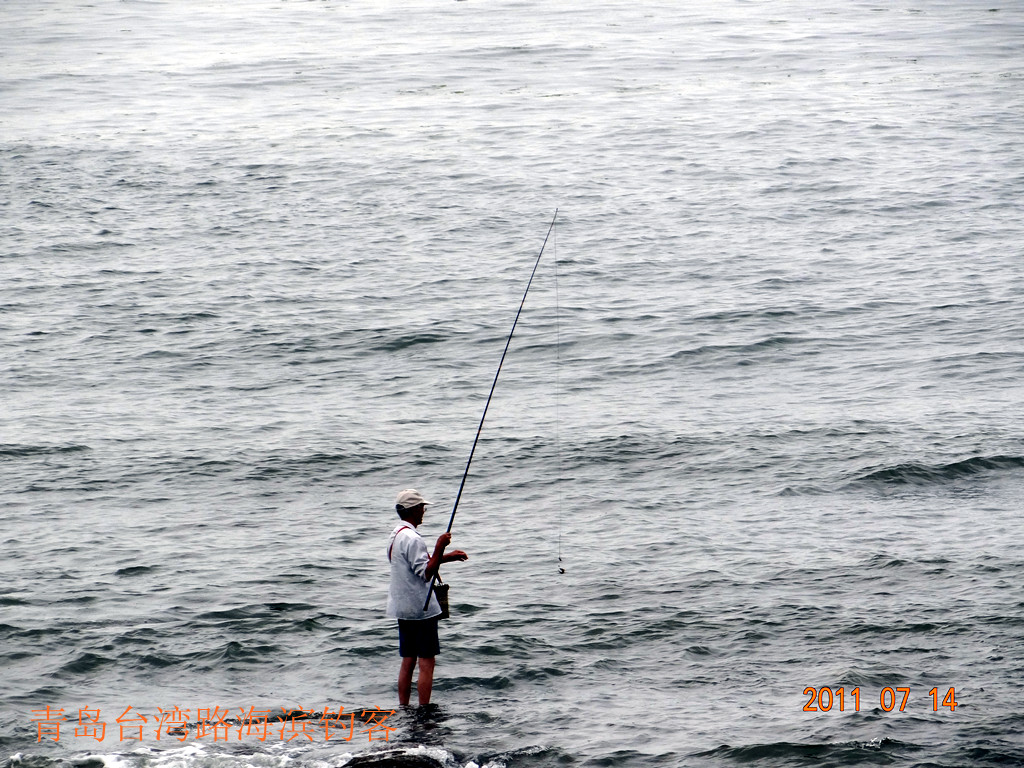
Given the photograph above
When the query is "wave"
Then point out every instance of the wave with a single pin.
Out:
(135, 570)
(411, 340)
(38, 450)
(86, 662)
(936, 474)
(791, 753)
(194, 755)
(776, 342)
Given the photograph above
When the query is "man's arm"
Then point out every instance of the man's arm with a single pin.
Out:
(439, 556)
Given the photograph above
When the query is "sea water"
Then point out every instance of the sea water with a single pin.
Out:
(748, 491)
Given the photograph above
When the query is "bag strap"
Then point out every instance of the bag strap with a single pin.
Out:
(391, 546)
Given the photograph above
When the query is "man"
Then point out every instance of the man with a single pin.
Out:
(411, 574)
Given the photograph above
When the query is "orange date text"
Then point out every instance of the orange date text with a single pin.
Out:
(826, 699)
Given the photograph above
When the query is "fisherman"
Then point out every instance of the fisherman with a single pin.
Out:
(411, 574)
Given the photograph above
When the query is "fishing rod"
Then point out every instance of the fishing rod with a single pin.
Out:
(497, 373)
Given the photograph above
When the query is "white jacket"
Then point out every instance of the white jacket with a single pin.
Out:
(409, 581)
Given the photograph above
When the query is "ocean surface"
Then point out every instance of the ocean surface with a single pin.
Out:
(756, 454)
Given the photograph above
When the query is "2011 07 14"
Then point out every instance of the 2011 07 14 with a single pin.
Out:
(826, 698)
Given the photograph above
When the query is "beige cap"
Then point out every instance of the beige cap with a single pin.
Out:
(409, 498)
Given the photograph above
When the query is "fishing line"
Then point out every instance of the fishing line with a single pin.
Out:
(487, 405)
(558, 368)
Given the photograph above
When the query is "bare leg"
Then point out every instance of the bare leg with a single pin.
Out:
(426, 680)
(405, 679)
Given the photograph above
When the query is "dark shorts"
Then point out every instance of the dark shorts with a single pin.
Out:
(418, 637)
